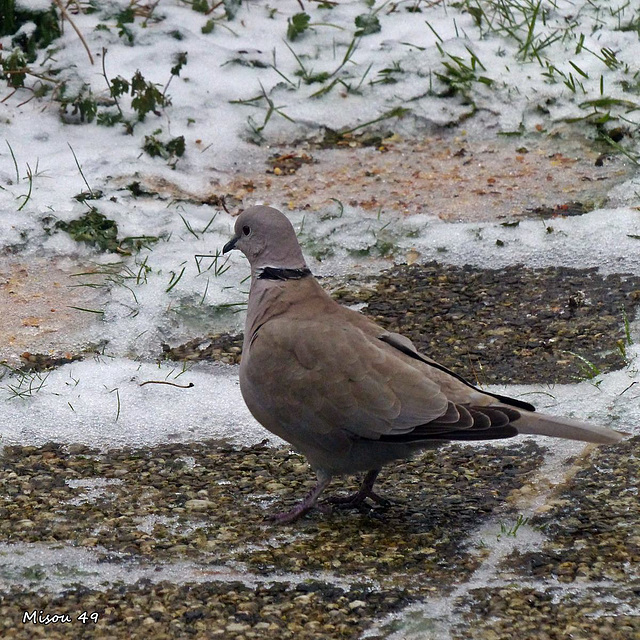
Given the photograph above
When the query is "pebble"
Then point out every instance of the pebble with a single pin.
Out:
(197, 504)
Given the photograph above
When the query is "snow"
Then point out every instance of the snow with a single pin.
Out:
(35, 6)
(105, 403)
(165, 293)
(56, 569)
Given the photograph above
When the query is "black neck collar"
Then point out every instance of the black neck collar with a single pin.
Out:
(273, 273)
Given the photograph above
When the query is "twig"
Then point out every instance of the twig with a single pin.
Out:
(118, 400)
(7, 97)
(214, 6)
(66, 15)
(629, 387)
(80, 168)
(104, 74)
(26, 101)
(172, 384)
(87, 310)
(150, 9)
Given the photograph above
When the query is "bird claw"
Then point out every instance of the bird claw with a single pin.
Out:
(284, 517)
(306, 505)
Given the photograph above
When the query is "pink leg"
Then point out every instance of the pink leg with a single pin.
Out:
(307, 503)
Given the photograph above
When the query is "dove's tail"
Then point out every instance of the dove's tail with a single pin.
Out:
(544, 425)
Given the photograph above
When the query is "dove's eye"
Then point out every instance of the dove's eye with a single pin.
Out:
(246, 230)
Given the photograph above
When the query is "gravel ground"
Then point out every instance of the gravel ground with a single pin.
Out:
(593, 549)
(329, 575)
(206, 504)
(198, 509)
(513, 325)
(553, 614)
(592, 523)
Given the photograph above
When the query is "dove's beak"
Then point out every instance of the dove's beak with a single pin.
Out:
(231, 244)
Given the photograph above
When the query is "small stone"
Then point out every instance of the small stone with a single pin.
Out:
(545, 508)
(198, 504)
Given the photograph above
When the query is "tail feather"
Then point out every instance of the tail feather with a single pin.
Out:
(556, 427)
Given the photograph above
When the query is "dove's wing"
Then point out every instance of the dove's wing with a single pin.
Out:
(335, 376)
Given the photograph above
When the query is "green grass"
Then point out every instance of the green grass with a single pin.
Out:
(97, 230)
(25, 384)
(588, 370)
(511, 530)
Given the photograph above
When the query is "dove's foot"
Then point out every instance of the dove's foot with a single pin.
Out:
(298, 511)
(360, 496)
(305, 505)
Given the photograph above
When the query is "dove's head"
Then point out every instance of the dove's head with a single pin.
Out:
(267, 238)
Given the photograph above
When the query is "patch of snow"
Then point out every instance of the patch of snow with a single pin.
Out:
(93, 488)
(57, 568)
(101, 402)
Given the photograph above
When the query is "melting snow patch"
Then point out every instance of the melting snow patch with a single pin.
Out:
(94, 488)
(101, 402)
(55, 569)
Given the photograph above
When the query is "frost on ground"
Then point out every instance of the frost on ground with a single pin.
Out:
(117, 181)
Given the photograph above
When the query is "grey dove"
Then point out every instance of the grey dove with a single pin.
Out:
(346, 393)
